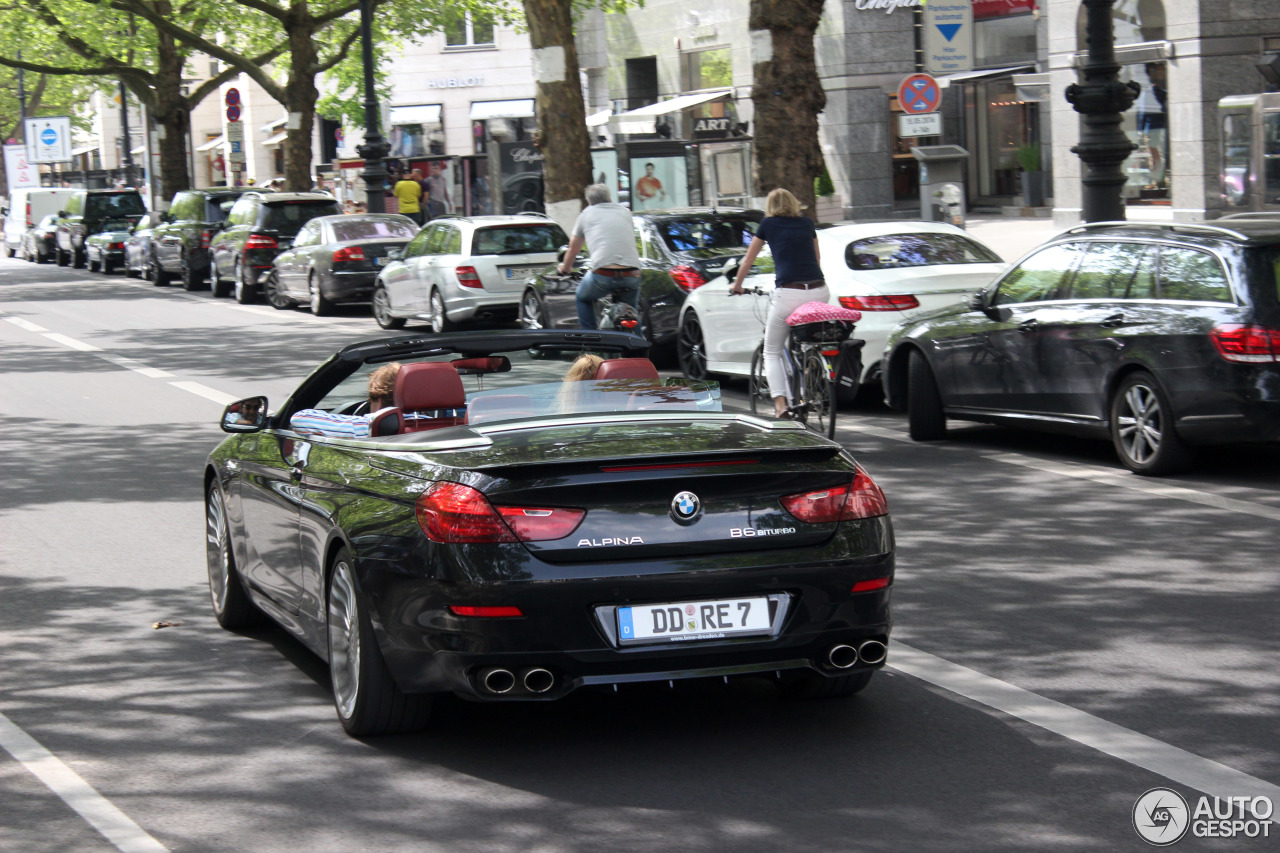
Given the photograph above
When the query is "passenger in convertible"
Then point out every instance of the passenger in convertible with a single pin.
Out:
(382, 383)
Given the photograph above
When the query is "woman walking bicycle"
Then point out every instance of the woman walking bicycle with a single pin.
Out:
(793, 242)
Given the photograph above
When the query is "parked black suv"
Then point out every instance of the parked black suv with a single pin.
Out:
(259, 227)
(1161, 336)
(180, 243)
(86, 212)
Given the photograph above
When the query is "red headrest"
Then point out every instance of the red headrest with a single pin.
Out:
(626, 368)
(431, 385)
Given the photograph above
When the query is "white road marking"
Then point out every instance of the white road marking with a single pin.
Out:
(71, 342)
(102, 815)
(1178, 765)
(136, 366)
(26, 324)
(206, 392)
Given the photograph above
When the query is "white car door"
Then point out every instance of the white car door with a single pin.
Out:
(405, 287)
(734, 325)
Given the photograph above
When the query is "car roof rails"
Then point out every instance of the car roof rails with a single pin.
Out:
(1177, 227)
(536, 213)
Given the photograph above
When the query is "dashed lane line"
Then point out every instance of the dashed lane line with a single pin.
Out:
(26, 324)
(206, 392)
(71, 342)
(125, 835)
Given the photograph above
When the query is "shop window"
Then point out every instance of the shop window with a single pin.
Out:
(416, 131)
(1009, 40)
(1133, 21)
(708, 69)
(468, 29)
(642, 82)
(502, 130)
(1271, 157)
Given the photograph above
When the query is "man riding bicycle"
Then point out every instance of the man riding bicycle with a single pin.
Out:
(615, 266)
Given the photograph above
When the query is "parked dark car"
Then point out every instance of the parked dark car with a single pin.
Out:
(181, 239)
(39, 244)
(506, 536)
(336, 259)
(85, 213)
(1162, 336)
(137, 249)
(104, 251)
(680, 250)
(260, 226)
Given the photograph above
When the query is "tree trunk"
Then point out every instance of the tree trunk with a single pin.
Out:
(788, 97)
(562, 117)
(171, 119)
(300, 100)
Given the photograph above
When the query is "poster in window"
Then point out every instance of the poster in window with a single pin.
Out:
(659, 183)
(604, 170)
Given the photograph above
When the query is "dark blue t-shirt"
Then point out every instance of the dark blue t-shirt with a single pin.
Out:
(790, 240)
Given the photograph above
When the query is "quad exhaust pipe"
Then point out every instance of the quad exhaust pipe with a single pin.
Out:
(843, 655)
(538, 680)
(499, 681)
(872, 651)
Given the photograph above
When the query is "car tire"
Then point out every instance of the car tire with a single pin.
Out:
(91, 265)
(925, 418)
(382, 310)
(245, 293)
(191, 280)
(62, 258)
(232, 606)
(108, 266)
(1142, 428)
(220, 286)
(320, 304)
(159, 277)
(78, 259)
(10, 252)
(807, 684)
(691, 347)
(758, 385)
(440, 322)
(367, 699)
(274, 293)
(532, 313)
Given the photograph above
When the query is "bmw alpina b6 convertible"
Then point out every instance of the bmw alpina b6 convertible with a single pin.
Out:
(531, 513)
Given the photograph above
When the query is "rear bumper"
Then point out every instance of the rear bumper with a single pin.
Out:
(344, 285)
(479, 305)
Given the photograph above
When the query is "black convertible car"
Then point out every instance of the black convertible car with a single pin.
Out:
(506, 534)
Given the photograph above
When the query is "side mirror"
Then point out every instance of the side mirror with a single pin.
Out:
(978, 301)
(395, 254)
(560, 253)
(62, 214)
(247, 415)
(730, 270)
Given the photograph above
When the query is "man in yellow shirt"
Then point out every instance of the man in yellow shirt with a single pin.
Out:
(408, 190)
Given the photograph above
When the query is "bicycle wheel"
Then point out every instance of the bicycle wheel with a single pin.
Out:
(819, 395)
(758, 385)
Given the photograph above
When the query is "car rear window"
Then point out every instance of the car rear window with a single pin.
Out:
(369, 229)
(894, 251)
(288, 217)
(518, 239)
(688, 235)
(124, 204)
(216, 208)
(1192, 276)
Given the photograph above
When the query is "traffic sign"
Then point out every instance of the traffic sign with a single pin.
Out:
(233, 97)
(921, 124)
(48, 139)
(235, 145)
(919, 93)
(233, 113)
(948, 36)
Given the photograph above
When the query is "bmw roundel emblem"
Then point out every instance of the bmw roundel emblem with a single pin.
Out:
(685, 507)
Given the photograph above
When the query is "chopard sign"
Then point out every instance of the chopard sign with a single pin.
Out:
(600, 543)
(887, 5)
(526, 155)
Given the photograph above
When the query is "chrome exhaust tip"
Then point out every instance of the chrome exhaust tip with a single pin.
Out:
(872, 651)
(499, 681)
(842, 656)
(538, 680)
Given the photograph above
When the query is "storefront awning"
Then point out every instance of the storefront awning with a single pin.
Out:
(421, 114)
(141, 149)
(483, 110)
(1032, 87)
(982, 74)
(1135, 53)
(76, 152)
(275, 140)
(211, 144)
(274, 125)
(642, 119)
(597, 119)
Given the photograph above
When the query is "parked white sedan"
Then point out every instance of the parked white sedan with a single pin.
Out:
(890, 271)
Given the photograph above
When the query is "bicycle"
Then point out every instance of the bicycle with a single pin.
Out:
(814, 357)
(611, 312)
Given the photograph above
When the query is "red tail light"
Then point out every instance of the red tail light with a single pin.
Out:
(468, 277)
(30, 224)
(899, 302)
(454, 513)
(860, 499)
(628, 324)
(1246, 344)
(206, 237)
(348, 253)
(499, 612)
(259, 241)
(871, 585)
(687, 278)
(115, 247)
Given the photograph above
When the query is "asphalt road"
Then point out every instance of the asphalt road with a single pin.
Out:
(1068, 636)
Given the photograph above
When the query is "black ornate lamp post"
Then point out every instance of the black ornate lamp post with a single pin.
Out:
(1100, 100)
(375, 148)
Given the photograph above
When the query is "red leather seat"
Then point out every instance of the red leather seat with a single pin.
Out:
(627, 368)
(430, 388)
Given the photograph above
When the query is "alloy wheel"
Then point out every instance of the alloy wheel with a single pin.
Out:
(219, 551)
(691, 348)
(1140, 423)
(344, 639)
(531, 311)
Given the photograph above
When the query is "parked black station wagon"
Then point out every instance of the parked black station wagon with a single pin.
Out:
(1161, 336)
(260, 226)
(180, 241)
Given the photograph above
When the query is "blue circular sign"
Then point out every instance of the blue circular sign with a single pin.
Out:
(49, 136)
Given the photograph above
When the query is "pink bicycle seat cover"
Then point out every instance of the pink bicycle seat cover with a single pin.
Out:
(818, 312)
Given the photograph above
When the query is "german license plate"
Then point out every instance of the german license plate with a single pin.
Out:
(693, 620)
(513, 273)
(382, 262)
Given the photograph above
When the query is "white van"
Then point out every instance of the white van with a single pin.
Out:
(27, 206)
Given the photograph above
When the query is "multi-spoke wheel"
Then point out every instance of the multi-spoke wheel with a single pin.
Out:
(246, 293)
(440, 321)
(274, 292)
(691, 347)
(192, 278)
(382, 310)
(231, 604)
(532, 315)
(158, 276)
(1142, 428)
(367, 699)
(819, 413)
(320, 304)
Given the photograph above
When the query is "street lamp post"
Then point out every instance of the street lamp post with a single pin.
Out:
(126, 145)
(1100, 100)
(375, 148)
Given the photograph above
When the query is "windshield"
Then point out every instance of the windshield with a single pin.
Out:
(123, 204)
(693, 234)
(345, 230)
(288, 217)
(117, 225)
(894, 251)
(519, 239)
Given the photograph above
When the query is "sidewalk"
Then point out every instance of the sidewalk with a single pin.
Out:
(1012, 237)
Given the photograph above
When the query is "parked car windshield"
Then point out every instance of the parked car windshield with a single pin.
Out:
(894, 251)
(519, 239)
(707, 233)
(125, 204)
(368, 229)
(288, 217)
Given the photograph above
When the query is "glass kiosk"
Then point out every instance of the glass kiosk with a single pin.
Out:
(1250, 169)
